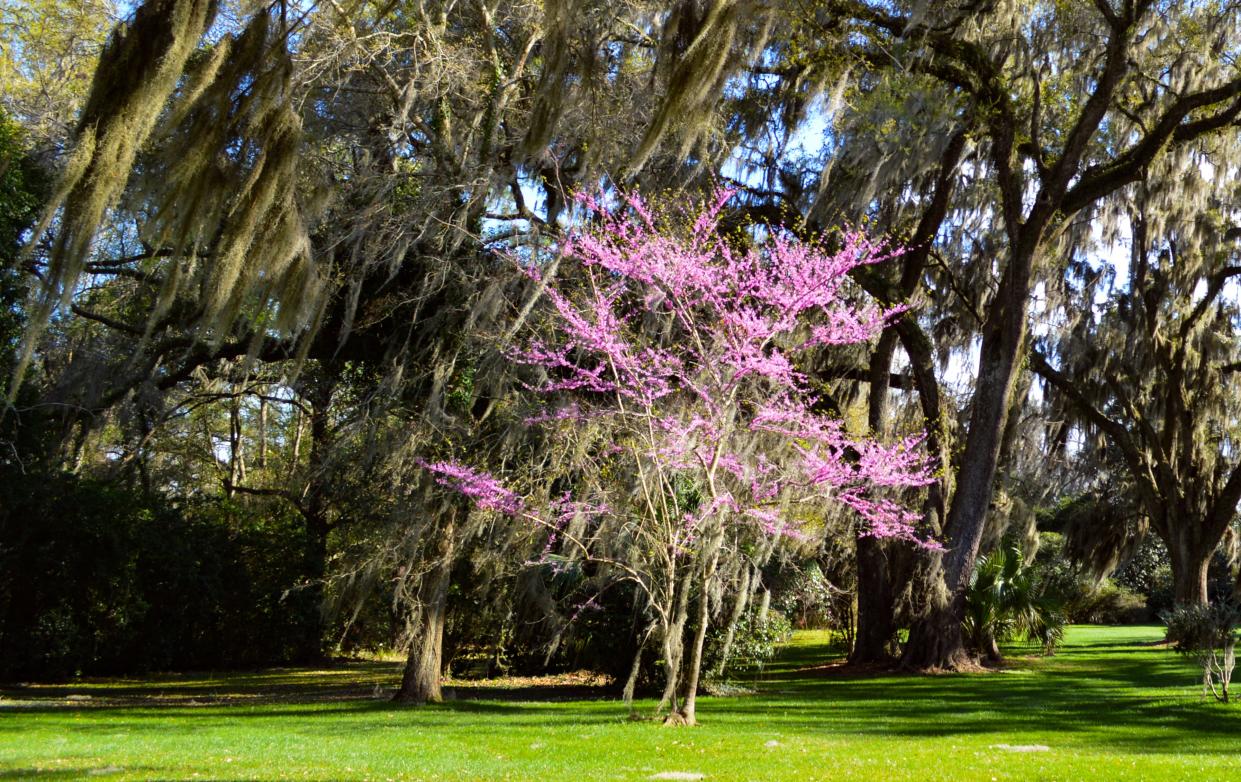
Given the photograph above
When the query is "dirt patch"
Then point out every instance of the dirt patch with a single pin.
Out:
(844, 669)
(571, 686)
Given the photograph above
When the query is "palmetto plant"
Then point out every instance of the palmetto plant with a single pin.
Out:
(1006, 599)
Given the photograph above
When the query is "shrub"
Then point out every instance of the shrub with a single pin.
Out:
(755, 643)
(1209, 634)
(1108, 604)
(1086, 601)
(804, 595)
(96, 578)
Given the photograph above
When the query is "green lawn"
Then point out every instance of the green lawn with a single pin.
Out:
(1109, 706)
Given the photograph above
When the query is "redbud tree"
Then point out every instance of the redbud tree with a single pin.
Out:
(682, 344)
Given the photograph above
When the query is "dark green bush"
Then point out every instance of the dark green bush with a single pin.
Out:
(1086, 601)
(1194, 628)
(804, 596)
(1108, 603)
(96, 578)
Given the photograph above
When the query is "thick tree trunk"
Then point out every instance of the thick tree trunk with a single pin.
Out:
(1190, 561)
(315, 507)
(936, 641)
(990, 649)
(424, 666)
(875, 638)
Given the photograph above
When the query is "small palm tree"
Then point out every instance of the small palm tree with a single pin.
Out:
(1006, 599)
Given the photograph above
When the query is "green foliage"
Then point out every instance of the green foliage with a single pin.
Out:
(1107, 603)
(804, 595)
(1195, 628)
(1145, 570)
(47, 51)
(1149, 573)
(21, 184)
(1086, 600)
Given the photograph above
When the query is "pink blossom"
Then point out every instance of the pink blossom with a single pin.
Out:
(690, 346)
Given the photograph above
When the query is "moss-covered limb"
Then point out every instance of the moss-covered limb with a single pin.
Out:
(223, 177)
(137, 73)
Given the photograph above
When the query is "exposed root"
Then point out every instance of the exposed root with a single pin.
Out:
(676, 719)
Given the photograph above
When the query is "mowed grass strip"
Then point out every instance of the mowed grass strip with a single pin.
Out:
(1113, 704)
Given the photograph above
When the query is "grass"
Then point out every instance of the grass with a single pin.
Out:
(1110, 706)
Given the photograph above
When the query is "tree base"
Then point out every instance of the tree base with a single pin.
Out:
(957, 663)
(936, 645)
(676, 719)
(416, 698)
(864, 659)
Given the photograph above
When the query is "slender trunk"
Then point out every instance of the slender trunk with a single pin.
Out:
(142, 452)
(674, 642)
(424, 666)
(297, 439)
(1228, 666)
(635, 669)
(262, 433)
(687, 714)
(237, 462)
(740, 603)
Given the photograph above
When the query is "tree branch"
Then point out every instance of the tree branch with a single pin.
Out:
(1115, 430)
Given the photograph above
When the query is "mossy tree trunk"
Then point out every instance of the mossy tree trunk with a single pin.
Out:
(424, 667)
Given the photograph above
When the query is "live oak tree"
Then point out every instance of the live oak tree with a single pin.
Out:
(1073, 103)
(1151, 370)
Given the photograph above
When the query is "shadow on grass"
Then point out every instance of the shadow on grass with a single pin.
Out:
(353, 678)
(1129, 695)
(86, 772)
(350, 681)
(1120, 695)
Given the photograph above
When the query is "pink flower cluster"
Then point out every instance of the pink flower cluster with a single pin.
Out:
(486, 491)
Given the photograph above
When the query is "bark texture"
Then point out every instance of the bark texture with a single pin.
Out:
(424, 667)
